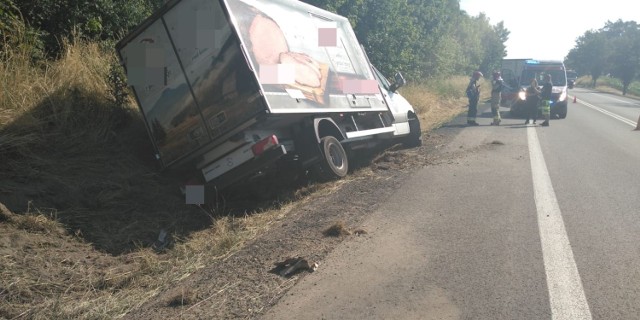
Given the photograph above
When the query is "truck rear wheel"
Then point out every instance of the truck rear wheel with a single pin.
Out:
(334, 163)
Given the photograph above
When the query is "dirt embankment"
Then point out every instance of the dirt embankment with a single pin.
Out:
(89, 228)
(246, 283)
(218, 271)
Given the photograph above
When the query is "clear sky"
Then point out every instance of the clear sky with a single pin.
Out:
(548, 29)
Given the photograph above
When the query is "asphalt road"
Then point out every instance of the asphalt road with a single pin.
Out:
(524, 222)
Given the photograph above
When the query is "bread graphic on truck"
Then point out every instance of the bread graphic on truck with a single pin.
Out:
(269, 47)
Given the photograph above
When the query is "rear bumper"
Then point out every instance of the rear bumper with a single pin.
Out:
(248, 168)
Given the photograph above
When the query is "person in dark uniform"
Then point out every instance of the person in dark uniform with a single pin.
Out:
(473, 93)
(545, 96)
(497, 85)
(533, 98)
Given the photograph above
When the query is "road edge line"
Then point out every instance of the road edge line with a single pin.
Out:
(566, 294)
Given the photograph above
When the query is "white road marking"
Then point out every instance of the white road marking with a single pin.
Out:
(612, 98)
(566, 294)
(609, 113)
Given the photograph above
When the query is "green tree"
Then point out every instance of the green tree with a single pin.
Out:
(352, 9)
(589, 56)
(92, 19)
(422, 38)
(386, 31)
(9, 15)
(614, 49)
(436, 48)
(624, 57)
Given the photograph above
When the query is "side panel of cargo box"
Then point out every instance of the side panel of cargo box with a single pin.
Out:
(190, 77)
(307, 60)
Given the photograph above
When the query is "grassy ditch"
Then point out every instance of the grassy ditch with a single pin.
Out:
(438, 101)
(82, 208)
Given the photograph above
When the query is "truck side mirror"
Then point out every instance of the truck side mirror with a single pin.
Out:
(398, 83)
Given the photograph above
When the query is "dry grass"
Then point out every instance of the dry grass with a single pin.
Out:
(66, 145)
(184, 298)
(77, 172)
(53, 276)
(438, 101)
(24, 83)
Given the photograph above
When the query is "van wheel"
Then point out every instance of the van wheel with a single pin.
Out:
(334, 163)
(414, 139)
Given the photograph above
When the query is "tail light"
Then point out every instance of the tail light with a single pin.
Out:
(265, 144)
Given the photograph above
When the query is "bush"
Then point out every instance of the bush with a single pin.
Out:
(87, 19)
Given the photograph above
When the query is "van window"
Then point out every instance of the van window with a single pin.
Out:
(558, 76)
(509, 77)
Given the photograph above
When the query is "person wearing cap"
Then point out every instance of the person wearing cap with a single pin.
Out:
(473, 93)
(497, 85)
(545, 99)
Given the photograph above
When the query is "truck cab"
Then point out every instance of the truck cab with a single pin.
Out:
(406, 121)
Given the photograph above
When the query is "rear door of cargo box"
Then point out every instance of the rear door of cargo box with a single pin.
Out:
(307, 60)
(190, 78)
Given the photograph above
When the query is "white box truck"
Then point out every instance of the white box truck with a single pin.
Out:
(233, 88)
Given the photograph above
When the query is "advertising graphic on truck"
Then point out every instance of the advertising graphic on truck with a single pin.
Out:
(304, 56)
(233, 88)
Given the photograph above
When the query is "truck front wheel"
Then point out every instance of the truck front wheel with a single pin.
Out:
(334, 163)
(414, 139)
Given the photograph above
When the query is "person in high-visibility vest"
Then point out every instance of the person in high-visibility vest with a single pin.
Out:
(545, 99)
(497, 84)
(473, 93)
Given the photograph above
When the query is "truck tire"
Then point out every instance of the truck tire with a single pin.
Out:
(334, 163)
(414, 139)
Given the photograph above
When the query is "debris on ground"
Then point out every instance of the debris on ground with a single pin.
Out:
(291, 266)
(337, 230)
(162, 242)
(359, 232)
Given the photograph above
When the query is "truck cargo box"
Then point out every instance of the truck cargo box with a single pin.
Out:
(203, 70)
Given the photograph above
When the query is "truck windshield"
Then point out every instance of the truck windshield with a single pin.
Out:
(558, 77)
(381, 78)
